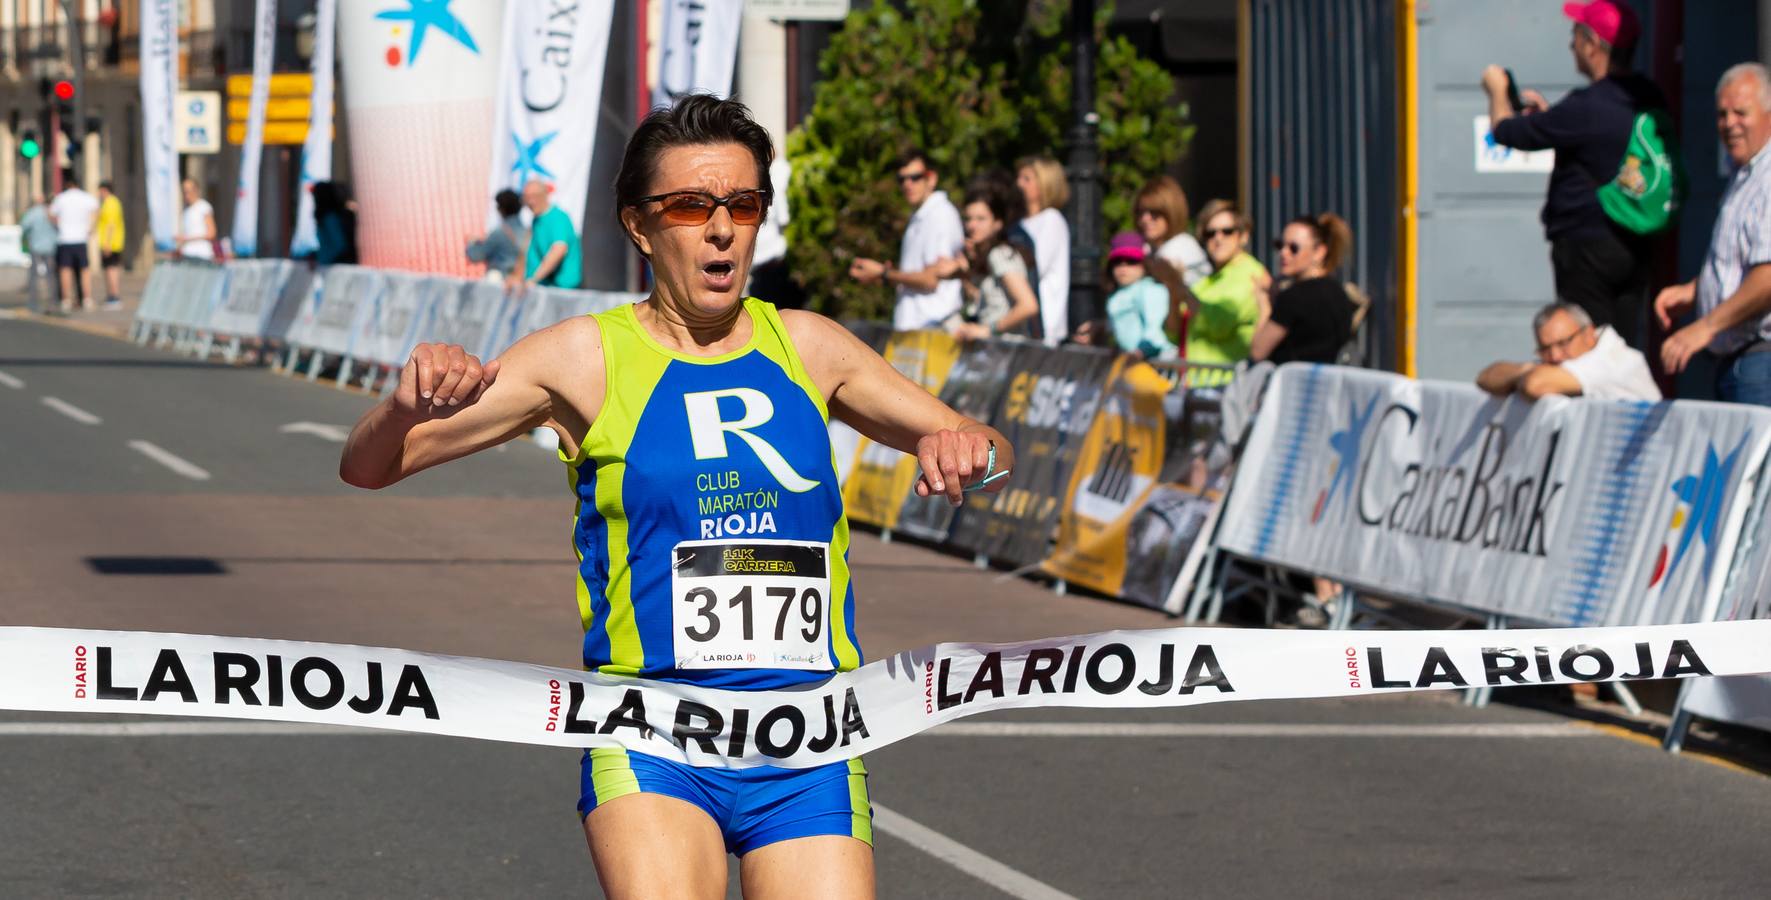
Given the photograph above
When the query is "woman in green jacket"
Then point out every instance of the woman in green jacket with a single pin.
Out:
(1221, 311)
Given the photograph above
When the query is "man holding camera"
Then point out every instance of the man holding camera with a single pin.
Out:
(1598, 265)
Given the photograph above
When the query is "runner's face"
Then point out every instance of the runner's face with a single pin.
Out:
(701, 266)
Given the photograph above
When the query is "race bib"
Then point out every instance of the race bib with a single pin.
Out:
(751, 604)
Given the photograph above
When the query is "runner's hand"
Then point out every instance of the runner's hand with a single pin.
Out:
(950, 461)
(439, 380)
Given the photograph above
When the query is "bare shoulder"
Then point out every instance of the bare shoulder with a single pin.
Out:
(831, 352)
(566, 360)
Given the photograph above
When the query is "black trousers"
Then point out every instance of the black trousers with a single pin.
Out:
(1608, 277)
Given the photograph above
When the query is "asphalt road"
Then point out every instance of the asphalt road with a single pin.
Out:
(1391, 797)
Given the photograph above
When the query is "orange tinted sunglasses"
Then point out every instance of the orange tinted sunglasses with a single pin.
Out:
(696, 207)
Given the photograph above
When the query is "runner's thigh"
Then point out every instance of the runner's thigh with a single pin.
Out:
(650, 845)
(829, 867)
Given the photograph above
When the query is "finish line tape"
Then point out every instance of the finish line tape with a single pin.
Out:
(852, 713)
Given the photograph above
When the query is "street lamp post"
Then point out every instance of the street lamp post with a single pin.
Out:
(1085, 176)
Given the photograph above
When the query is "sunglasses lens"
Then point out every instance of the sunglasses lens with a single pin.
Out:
(747, 208)
(687, 209)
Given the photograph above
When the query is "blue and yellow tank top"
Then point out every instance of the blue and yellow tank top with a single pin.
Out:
(710, 533)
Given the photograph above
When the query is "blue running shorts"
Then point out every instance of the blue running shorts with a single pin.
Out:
(753, 807)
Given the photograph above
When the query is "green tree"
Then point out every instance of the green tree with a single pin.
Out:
(976, 84)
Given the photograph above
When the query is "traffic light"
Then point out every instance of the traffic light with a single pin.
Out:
(64, 91)
(29, 147)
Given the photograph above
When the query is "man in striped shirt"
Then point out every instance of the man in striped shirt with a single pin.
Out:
(1733, 291)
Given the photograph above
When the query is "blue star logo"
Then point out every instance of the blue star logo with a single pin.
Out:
(1346, 445)
(529, 158)
(1701, 496)
(425, 15)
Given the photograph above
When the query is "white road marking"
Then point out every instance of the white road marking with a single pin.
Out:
(334, 433)
(1256, 730)
(11, 381)
(72, 411)
(1010, 881)
(166, 458)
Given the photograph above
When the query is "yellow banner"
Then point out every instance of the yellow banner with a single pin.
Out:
(290, 109)
(285, 84)
(274, 132)
(882, 477)
(1121, 458)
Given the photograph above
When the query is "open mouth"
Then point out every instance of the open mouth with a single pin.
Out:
(718, 275)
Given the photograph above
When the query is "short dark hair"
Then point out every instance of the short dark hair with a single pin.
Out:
(70, 178)
(693, 119)
(108, 186)
(509, 202)
(914, 154)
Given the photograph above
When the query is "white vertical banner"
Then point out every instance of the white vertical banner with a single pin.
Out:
(700, 48)
(264, 41)
(159, 82)
(316, 152)
(549, 91)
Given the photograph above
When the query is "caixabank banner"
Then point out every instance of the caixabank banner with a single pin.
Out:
(1566, 511)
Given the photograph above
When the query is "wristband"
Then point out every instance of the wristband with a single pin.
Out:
(989, 467)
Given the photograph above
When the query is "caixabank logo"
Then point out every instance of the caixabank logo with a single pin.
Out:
(415, 23)
(1346, 444)
(1698, 514)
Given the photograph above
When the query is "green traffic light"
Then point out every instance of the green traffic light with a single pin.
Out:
(29, 148)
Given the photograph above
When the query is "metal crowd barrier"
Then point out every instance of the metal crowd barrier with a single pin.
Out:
(363, 321)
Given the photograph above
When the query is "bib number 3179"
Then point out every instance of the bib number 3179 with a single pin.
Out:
(753, 604)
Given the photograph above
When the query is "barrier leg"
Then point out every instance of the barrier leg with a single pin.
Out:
(1060, 587)
(1625, 697)
(1681, 723)
(980, 561)
(232, 354)
(344, 373)
(1215, 611)
(390, 383)
(885, 535)
(313, 365)
(206, 347)
(1344, 603)
(1479, 696)
(1202, 585)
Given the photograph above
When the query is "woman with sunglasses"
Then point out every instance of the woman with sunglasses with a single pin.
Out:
(999, 296)
(1221, 311)
(1312, 315)
(690, 400)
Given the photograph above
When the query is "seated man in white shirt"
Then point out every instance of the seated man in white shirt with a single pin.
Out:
(1576, 360)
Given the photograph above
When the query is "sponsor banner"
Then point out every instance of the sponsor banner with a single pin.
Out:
(159, 78)
(465, 313)
(1123, 533)
(264, 41)
(337, 309)
(419, 83)
(391, 330)
(549, 87)
(1046, 411)
(700, 49)
(848, 715)
(973, 388)
(882, 478)
(316, 148)
(1566, 511)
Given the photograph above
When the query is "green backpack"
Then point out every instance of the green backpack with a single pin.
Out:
(1645, 196)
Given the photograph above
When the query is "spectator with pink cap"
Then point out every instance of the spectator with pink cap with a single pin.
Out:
(1599, 265)
(1138, 308)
